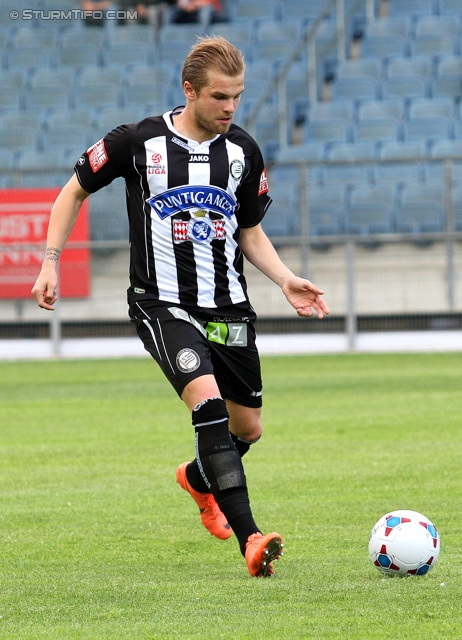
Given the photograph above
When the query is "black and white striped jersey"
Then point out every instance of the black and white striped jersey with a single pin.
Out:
(186, 203)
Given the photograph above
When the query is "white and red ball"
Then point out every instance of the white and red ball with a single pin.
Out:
(404, 543)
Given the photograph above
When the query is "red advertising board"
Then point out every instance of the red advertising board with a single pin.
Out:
(24, 215)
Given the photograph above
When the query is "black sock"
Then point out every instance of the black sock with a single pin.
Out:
(195, 478)
(235, 503)
(242, 446)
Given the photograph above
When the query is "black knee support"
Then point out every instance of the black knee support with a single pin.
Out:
(217, 457)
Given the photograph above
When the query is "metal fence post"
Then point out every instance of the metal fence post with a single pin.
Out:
(351, 316)
(449, 227)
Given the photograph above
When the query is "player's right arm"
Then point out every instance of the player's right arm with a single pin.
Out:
(62, 220)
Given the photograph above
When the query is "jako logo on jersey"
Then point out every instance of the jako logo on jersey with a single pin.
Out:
(189, 197)
(97, 155)
(197, 158)
(263, 188)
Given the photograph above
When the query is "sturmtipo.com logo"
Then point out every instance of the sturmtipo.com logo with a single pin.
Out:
(72, 14)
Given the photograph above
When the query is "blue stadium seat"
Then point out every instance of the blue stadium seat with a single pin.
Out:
(29, 57)
(108, 219)
(449, 66)
(420, 209)
(278, 31)
(429, 128)
(339, 110)
(447, 86)
(306, 151)
(405, 87)
(411, 8)
(449, 7)
(380, 109)
(446, 149)
(243, 11)
(352, 151)
(434, 45)
(358, 88)
(125, 53)
(19, 138)
(296, 84)
(326, 209)
(275, 51)
(47, 97)
(407, 150)
(27, 37)
(457, 206)
(108, 118)
(378, 130)
(394, 170)
(51, 77)
(362, 67)
(79, 56)
(91, 75)
(304, 10)
(13, 79)
(437, 25)
(96, 95)
(326, 131)
(17, 119)
(371, 209)
(127, 34)
(59, 137)
(67, 117)
(239, 34)
(146, 94)
(281, 219)
(420, 65)
(10, 98)
(83, 38)
(398, 25)
(384, 46)
(432, 108)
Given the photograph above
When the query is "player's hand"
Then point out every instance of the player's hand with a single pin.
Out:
(305, 296)
(44, 290)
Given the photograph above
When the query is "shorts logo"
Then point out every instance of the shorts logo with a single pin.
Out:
(236, 169)
(97, 155)
(81, 161)
(187, 360)
(263, 188)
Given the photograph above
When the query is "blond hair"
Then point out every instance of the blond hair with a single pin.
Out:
(211, 53)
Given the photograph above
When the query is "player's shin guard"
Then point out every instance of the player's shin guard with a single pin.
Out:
(221, 467)
(217, 457)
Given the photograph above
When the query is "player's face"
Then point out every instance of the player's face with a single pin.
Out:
(214, 106)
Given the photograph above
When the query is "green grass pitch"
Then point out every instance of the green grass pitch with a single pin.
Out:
(97, 541)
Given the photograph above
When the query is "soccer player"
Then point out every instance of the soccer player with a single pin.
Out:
(197, 192)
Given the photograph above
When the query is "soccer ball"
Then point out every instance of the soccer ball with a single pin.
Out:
(404, 543)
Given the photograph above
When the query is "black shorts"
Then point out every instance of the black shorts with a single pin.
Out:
(189, 345)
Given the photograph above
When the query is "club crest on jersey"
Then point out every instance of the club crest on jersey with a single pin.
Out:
(236, 169)
(190, 198)
(200, 230)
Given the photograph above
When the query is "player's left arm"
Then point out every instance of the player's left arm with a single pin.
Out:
(302, 294)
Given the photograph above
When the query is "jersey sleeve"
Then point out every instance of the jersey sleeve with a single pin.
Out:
(252, 193)
(106, 160)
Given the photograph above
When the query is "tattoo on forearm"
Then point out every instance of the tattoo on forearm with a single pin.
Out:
(51, 253)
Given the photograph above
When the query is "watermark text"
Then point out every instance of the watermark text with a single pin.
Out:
(73, 14)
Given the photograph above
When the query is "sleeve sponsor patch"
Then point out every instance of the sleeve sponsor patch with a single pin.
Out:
(97, 155)
(263, 188)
